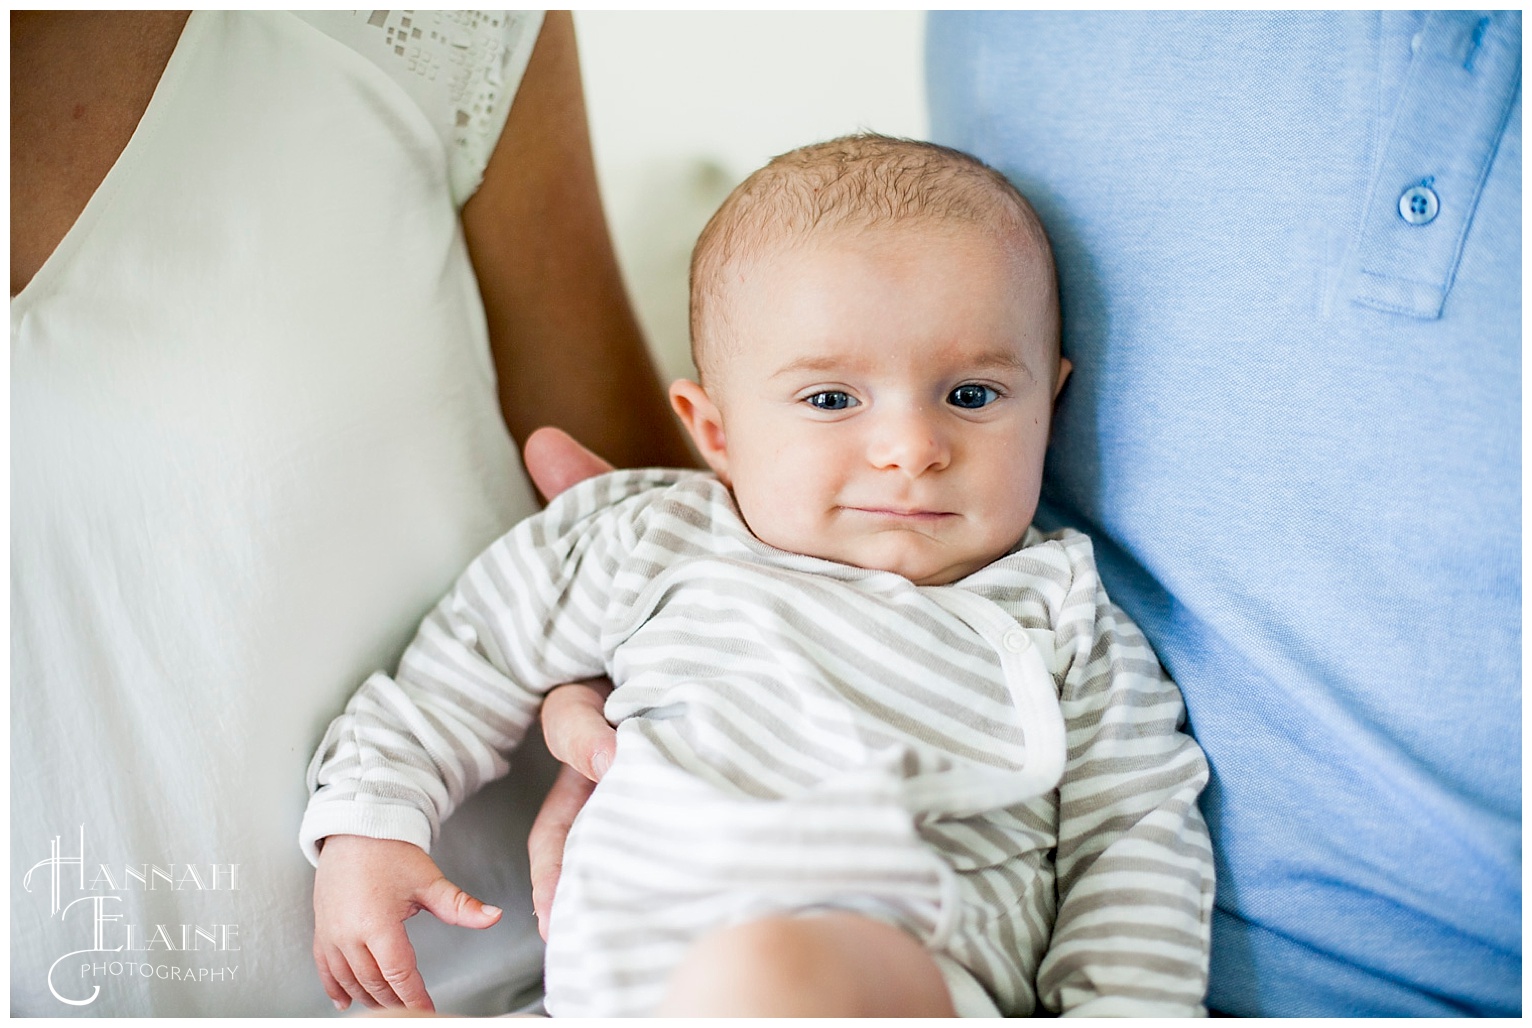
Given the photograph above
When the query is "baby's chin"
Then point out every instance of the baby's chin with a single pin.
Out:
(919, 568)
(918, 553)
(928, 574)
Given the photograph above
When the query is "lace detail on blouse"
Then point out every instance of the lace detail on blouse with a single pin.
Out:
(461, 67)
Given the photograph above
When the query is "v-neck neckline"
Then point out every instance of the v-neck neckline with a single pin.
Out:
(149, 122)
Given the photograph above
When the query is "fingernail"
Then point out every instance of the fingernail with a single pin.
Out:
(491, 911)
(338, 1004)
(599, 763)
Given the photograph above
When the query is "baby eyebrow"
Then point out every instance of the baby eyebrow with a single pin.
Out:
(811, 363)
(988, 360)
(1003, 360)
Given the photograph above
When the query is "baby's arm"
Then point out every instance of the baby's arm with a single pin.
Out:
(525, 616)
(1134, 863)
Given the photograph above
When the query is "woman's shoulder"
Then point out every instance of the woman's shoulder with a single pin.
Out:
(461, 70)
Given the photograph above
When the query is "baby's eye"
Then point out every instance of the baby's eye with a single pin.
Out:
(830, 399)
(972, 396)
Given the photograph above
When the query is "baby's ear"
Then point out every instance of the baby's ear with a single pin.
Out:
(1065, 367)
(700, 415)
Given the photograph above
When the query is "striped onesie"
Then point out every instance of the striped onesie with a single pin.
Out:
(994, 765)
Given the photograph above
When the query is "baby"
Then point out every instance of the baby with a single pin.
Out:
(883, 747)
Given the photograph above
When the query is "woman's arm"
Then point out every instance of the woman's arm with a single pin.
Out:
(567, 348)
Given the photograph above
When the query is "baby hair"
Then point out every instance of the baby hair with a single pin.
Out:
(862, 181)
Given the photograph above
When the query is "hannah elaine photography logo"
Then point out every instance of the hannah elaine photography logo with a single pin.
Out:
(88, 901)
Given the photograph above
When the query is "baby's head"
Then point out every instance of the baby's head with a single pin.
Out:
(876, 326)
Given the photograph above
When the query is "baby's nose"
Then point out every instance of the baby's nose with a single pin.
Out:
(910, 442)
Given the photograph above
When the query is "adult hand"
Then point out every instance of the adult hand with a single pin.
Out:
(574, 725)
(364, 891)
(555, 461)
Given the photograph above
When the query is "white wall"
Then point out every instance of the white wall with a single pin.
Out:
(684, 105)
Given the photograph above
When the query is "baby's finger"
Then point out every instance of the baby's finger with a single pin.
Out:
(395, 958)
(376, 992)
(453, 906)
(332, 988)
(345, 977)
(575, 727)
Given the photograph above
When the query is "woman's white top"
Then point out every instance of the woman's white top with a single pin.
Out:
(255, 435)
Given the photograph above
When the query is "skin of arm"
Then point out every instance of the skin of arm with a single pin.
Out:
(567, 349)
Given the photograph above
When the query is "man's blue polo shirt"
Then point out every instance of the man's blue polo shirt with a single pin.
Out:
(1290, 255)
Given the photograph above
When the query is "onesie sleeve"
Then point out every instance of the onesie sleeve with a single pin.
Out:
(528, 614)
(1134, 863)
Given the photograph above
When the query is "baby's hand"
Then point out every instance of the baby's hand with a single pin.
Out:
(363, 892)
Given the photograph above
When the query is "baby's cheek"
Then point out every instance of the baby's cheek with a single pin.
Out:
(773, 523)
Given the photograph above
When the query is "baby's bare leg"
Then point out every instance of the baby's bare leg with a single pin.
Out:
(835, 964)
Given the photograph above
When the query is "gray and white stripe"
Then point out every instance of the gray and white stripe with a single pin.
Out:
(994, 765)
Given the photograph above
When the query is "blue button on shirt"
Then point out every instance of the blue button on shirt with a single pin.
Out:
(1418, 205)
(1294, 431)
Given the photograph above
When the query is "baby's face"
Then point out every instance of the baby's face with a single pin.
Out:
(886, 401)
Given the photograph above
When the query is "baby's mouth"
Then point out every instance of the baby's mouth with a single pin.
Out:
(902, 513)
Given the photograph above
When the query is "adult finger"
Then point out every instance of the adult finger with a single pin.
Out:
(555, 461)
(545, 843)
(575, 726)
